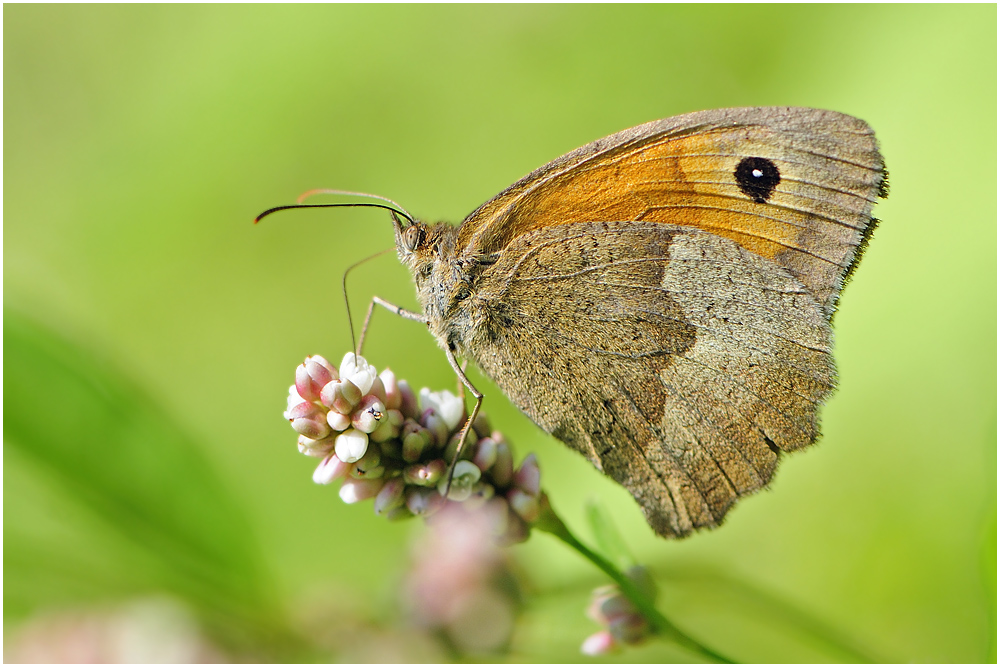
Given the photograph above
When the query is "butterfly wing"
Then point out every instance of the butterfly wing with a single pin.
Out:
(679, 363)
(808, 210)
(660, 299)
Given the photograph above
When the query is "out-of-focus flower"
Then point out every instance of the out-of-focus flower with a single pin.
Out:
(460, 582)
(152, 630)
(386, 443)
(622, 621)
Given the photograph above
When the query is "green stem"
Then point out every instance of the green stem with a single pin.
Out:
(549, 522)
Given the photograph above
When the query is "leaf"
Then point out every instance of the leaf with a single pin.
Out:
(609, 541)
(104, 444)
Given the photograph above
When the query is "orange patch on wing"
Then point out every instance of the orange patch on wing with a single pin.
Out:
(684, 180)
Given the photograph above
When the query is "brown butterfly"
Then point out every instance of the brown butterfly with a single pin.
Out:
(660, 299)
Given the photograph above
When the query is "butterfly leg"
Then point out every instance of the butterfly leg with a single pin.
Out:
(402, 312)
(460, 372)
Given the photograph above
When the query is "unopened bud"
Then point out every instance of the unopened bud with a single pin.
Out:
(368, 414)
(629, 629)
(378, 390)
(369, 465)
(502, 471)
(400, 513)
(408, 400)
(356, 490)
(341, 395)
(389, 427)
(446, 404)
(482, 425)
(329, 469)
(293, 399)
(423, 501)
(425, 474)
(485, 454)
(317, 448)
(433, 422)
(355, 368)
(598, 643)
(391, 496)
(526, 506)
(416, 439)
(312, 375)
(481, 494)
(528, 477)
(393, 399)
(337, 421)
(308, 420)
(463, 478)
(468, 447)
(351, 445)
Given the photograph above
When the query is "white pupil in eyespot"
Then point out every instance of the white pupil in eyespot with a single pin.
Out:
(757, 173)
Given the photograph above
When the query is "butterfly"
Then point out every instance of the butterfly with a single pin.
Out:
(660, 300)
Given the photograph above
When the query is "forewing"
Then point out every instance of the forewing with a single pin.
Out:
(685, 171)
(675, 360)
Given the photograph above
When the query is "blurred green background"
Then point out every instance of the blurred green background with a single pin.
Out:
(151, 331)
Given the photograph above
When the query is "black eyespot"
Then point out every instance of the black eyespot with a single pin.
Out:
(463, 292)
(757, 178)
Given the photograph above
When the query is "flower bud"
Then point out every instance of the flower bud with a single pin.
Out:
(317, 448)
(351, 445)
(598, 643)
(526, 506)
(481, 494)
(629, 628)
(389, 427)
(392, 451)
(425, 474)
(355, 368)
(391, 496)
(378, 390)
(446, 404)
(293, 399)
(482, 425)
(337, 421)
(464, 477)
(308, 420)
(329, 469)
(433, 422)
(422, 501)
(356, 490)
(528, 476)
(485, 454)
(451, 451)
(408, 400)
(502, 471)
(341, 395)
(312, 375)
(393, 399)
(368, 466)
(416, 439)
(400, 513)
(368, 414)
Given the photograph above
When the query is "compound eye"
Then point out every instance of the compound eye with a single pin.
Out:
(413, 236)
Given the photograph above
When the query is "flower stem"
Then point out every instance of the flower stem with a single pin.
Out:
(550, 522)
